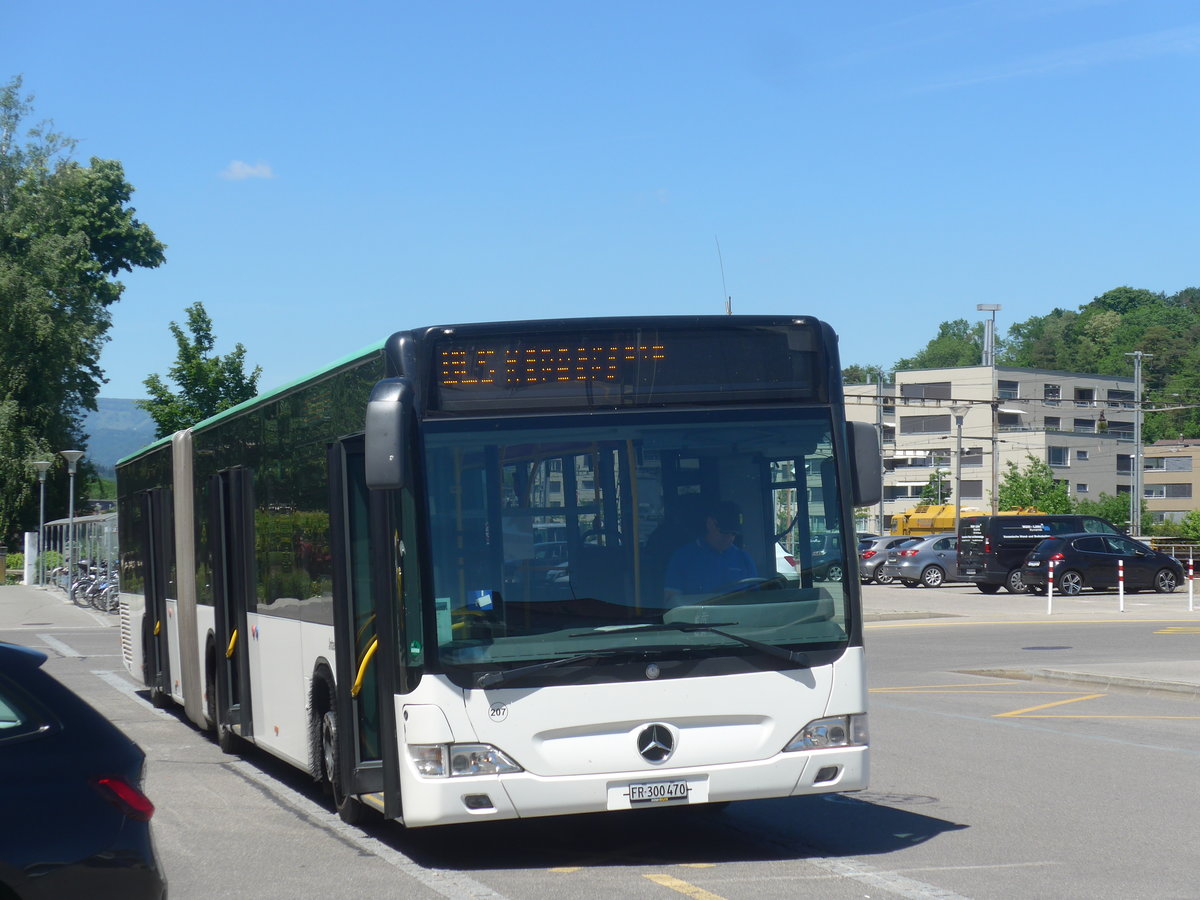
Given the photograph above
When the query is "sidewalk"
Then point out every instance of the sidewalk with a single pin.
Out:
(891, 603)
(24, 607)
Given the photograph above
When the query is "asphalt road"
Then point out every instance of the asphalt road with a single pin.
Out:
(983, 785)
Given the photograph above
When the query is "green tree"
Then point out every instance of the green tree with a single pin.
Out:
(207, 383)
(1032, 486)
(958, 343)
(1189, 526)
(937, 489)
(1111, 508)
(66, 232)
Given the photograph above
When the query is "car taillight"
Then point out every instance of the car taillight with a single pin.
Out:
(908, 552)
(867, 554)
(987, 545)
(125, 797)
(1057, 557)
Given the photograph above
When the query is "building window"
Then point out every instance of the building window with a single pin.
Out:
(1124, 464)
(972, 489)
(972, 456)
(1081, 455)
(1053, 423)
(1124, 489)
(1081, 488)
(934, 390)
(1051, 393)
(925, 424)
(1007, 390)
(1117, 398)
(1008, 421)
(1085, 397)
(1179, 490)
(1167, 463)
(1058, 456)
(1120, 429)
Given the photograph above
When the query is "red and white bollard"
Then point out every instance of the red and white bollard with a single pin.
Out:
(1191, 587)
(1050, 588)
(1121, 583)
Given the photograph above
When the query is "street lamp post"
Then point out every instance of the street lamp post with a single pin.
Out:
(958, 410)
(41, 466)
(72, 457)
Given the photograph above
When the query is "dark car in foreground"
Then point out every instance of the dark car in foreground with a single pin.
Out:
(931, 562)
(73, 819)
(1091, 560)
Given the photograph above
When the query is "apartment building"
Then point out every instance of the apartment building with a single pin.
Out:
(1081, 425)
(1171, 479)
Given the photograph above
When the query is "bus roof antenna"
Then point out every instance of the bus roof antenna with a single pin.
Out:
(724, 290)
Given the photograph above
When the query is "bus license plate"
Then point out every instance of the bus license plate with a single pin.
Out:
(658, 792)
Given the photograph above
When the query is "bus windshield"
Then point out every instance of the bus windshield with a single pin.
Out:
(554, 537)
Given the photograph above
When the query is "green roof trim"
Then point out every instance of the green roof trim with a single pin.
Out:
(345, 362)
(144, 450)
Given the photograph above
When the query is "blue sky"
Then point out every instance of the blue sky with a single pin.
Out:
(326, 174)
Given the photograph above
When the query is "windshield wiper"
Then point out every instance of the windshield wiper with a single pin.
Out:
(500, 676)
(795, 656)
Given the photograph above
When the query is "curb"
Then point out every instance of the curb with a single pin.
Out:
(1126, 682)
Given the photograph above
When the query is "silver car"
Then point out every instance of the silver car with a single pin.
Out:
(931, 561)
(872, 553)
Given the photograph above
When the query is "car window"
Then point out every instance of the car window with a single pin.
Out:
(1097, 525)
(943, 544)
(1091, 545)
(1122, 546)
(17, 718)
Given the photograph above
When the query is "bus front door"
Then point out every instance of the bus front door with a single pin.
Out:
(232, 523)
(363, 590)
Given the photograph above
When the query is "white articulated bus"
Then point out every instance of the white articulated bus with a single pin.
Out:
(472, 572)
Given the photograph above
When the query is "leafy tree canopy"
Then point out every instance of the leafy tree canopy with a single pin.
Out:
(66, 232)
(1032, 486)
(958, 343)
(208, 383)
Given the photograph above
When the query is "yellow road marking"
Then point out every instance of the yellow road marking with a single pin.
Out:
(917, 687)
(689, 890)
(1084, 716)
(1030, 709)
(1180, 629)
(566, 870)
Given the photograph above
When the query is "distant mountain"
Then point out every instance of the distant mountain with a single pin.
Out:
(117, 428)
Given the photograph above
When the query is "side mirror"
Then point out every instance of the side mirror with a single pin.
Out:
(865, 460)
(390, 413)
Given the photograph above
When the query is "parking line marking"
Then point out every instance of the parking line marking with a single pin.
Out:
(59, 647)
(683, 887)
(1021, 712)
(918, 687)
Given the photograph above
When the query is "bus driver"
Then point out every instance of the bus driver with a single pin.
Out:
(712, 561)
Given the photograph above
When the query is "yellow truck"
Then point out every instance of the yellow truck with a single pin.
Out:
(935, 519)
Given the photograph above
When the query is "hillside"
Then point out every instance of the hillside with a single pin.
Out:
(116, 429)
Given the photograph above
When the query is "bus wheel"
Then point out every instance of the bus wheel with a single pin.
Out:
(348, 809)
(988, 588)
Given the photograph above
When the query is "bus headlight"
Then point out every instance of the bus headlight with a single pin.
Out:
(834, 731)
(442, 760)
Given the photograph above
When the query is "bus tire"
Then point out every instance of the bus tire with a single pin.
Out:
(349, 810)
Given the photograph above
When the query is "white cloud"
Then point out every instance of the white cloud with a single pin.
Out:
(240, 171)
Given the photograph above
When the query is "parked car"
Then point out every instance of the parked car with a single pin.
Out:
(825, 552)
(873, 552)
(75, 821)
(1090, 560)
(992, 549)
(931, 561)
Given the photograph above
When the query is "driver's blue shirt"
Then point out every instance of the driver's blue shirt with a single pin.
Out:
(697, 568)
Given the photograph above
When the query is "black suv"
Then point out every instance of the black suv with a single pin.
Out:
(1090, 560)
